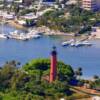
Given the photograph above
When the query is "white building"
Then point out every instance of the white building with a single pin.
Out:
(71, 2)
(91, 4)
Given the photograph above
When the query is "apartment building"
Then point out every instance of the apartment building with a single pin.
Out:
(91, 4)
(27, 2)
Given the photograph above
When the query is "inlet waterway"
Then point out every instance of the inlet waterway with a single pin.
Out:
(86, 57)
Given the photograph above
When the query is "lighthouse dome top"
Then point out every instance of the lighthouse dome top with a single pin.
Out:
(54, 52)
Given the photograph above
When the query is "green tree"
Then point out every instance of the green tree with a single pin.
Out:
(78, 72)
(6, 74)
(95, 77)
(42, 67)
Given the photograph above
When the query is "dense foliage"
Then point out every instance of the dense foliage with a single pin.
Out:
(29, 82)
(70, 19)
(43, 65)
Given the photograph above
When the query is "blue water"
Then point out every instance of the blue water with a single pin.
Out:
(86, 57)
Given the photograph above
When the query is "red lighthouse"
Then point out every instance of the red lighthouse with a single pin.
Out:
(53, 66)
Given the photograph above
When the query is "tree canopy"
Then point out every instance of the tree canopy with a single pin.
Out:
(27, 83)
(64, 71)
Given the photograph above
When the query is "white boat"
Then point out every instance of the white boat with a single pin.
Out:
(3, 36)
(33, 34)
(18, 36)
(86, 43)
(78, 44)
(36, 36)
(21, 38)
(73, 44)
(66, 43)
(14, 34)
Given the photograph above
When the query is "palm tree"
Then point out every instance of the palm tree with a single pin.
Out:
(78, 72)
(13, 63)
(95, 77)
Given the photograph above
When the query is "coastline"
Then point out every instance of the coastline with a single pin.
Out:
(16, 25)
(45, 42)
(43, 29)
(48, 32)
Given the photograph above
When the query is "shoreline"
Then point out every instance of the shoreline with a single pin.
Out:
(47, 46)
(48, 32)
(42, 29)
(16, 25)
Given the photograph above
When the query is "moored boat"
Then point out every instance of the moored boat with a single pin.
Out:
(86, 43)
(33, 34)
(3, 36)
(73, 43)
(66, 43)
(23, 36)
(17, 36)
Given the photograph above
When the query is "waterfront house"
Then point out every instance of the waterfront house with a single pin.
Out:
(29, 19)
(92, 5)
(29, 16)
(71, 2)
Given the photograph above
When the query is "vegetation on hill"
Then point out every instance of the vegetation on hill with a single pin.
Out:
(70, 19)
(30, 83)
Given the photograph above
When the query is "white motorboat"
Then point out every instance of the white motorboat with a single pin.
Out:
(72, 44)
(33, 34)
(36, 36)
(24, 36)
(86, 43)
(3, 36)
(18, 36)
(21, 38)
(78, 44)
(14, 34)
(66, 43)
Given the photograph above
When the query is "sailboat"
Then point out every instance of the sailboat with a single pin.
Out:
(2, 35)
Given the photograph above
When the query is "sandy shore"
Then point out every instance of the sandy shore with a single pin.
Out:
(16, 25)
(42, 29)
(50, 32)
